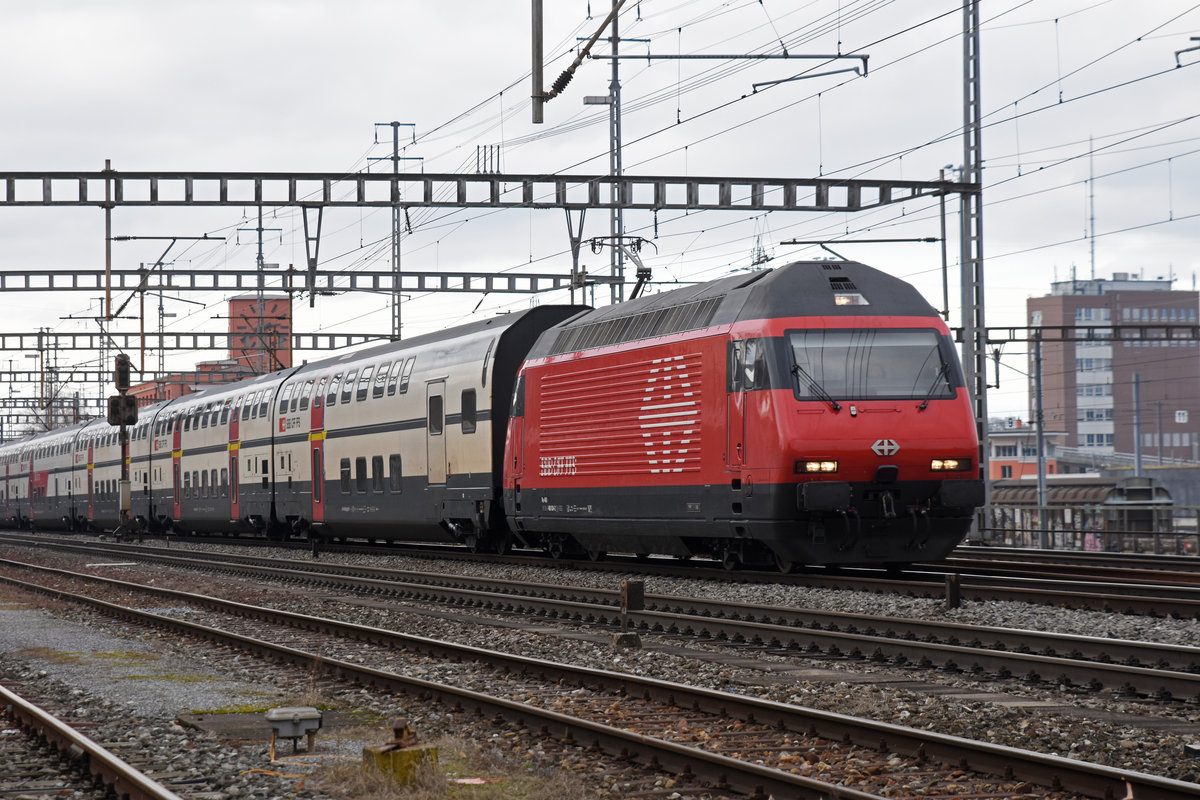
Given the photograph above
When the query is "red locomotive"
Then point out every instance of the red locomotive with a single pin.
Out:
(813, 414)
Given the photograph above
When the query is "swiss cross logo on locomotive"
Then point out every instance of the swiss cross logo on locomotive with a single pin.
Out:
(885, 447)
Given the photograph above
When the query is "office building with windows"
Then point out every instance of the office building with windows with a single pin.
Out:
(1088, 386)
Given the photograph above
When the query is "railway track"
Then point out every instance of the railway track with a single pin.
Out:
(1152, 669)
(1148, 669)
(1150, 595)
(41, 754)
(740, 743)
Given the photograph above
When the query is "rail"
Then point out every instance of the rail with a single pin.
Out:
(123, 780)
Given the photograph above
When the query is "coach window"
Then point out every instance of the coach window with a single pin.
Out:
(187, 424)
(225, 411)
(319, 393)
(214, 481)
(468, 411)
(204, 417)
(244, 403)
(360, 474)
(224, 481)
(187, 484)
(408, 368)
(204, 484)
(344, 466)
(285, 396)
(364, 383)
(266, 466)
(394, 377)
(377, 474)
(348, 386)
(304, 395)
(331, 398)
(381, 379)
(263, 406)
(394, 471)
(436, 415)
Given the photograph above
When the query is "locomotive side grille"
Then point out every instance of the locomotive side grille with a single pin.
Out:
(623, 419)
(632, 327)
(842, 285)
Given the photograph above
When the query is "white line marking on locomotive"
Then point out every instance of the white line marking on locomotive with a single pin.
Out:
(666, 382)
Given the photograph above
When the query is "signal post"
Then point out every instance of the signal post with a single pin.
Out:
(123, 411)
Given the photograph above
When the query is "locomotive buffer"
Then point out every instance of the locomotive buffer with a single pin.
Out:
(123, 411)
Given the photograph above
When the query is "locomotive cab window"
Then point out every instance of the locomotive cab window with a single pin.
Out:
(748, 365)
(915, 364)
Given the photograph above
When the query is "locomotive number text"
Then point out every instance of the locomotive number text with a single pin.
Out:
(557, 465)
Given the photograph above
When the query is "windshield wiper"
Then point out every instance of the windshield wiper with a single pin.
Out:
(933, 387)
(818, 389)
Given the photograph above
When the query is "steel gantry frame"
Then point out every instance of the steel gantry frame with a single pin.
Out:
(112, 188)
(313, 192)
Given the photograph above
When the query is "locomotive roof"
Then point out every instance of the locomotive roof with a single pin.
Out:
(799, 289)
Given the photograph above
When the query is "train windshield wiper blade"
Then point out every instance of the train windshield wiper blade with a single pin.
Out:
(941, 375)
(818, 389)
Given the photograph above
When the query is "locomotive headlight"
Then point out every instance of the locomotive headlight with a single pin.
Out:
(950, 464)
(816, 466)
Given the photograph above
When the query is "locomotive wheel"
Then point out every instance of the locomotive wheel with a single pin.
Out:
(784, 565)
(556, 547)
(730, 558)
(596, 554)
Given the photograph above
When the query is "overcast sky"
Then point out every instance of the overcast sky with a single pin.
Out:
(299, 86)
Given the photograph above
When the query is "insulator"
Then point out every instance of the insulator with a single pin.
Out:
(561, 81)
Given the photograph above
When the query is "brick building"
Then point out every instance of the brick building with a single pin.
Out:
(1088, 386)
(260, 342)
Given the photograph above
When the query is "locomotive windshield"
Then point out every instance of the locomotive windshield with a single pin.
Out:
(862, 364)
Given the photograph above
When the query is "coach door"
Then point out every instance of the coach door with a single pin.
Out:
(176, 475)
(735, 407)
(316, 441)
(435, 430)
(235, 450)
(91, 498)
